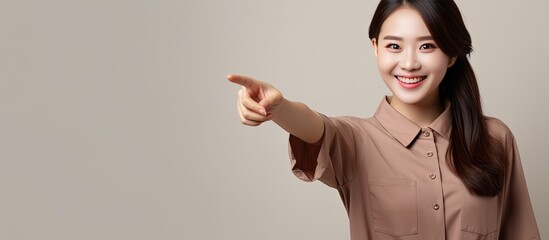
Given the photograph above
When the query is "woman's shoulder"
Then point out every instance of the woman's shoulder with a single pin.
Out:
(354, 121)
(498, 129)
(351, 124)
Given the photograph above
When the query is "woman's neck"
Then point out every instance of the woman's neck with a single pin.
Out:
(422, 114)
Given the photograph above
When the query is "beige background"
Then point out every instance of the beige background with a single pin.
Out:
(116, 121)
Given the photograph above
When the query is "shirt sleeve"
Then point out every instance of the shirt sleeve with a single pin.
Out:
(333, 160)
(518, 220)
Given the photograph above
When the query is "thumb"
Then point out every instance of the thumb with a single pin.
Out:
(266, 102)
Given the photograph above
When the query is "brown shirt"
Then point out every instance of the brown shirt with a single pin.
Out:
(395, 182)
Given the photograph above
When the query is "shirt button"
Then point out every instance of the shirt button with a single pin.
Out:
(426, 133)
(432, 176)
(429, 154)
(436, 206)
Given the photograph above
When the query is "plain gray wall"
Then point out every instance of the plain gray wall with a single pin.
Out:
(116, 121)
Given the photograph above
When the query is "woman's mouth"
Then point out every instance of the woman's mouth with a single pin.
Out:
(410, 81)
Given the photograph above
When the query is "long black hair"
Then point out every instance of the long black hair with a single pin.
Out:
(474, 155)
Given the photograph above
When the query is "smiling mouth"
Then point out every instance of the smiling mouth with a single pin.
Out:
(410, 80)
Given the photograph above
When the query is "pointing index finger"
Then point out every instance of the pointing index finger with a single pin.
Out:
(241, 80)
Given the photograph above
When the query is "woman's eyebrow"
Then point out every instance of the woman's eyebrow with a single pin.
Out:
(422, 38)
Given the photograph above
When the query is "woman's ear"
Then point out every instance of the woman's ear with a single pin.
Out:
(374, 45)
(452, 61)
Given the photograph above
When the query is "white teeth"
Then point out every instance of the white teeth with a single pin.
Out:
(410, 80)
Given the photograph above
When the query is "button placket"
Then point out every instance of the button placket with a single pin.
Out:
(433, 173)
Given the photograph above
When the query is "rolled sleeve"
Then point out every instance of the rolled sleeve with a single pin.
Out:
(332, 160)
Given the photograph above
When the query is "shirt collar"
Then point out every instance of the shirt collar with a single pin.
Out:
(404, 130)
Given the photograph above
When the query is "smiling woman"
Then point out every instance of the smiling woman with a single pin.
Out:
(407, 55)
(429, 164)
(406, 68)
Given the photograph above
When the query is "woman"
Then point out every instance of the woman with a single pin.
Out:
(428, 164)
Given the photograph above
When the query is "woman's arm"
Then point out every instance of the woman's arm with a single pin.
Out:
(259, 102)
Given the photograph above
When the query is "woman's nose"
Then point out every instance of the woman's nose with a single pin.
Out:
(409, 61)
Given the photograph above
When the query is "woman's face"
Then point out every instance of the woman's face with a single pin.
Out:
(409, 60)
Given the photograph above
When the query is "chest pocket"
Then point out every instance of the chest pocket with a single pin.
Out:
(394, 207)
(479, 218)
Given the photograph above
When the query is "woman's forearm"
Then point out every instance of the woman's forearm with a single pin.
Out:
(299, 120)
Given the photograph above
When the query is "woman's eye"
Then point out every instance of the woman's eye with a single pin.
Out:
(393, 46)
(427, 46)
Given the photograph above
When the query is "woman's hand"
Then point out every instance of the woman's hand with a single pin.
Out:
(257, 100)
